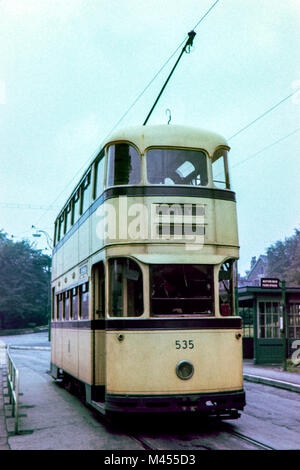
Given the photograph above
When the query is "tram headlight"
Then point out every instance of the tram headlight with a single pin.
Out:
(184, 370)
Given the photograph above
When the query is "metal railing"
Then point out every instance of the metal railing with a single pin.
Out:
(13, 384)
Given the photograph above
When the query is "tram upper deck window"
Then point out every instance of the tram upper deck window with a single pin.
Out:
(123, 165)
(126, 288)
(220, 169)
(177, 166)
(182, 289)
(68, 215)
(99, 175)
(55, 236)
(60, 231)
(76, 206)
(86, 193)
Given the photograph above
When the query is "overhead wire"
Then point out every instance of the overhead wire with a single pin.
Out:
(10, 205)
(267, 147)
(264, 114)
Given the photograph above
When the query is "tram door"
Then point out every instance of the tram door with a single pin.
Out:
(98, 279)
(269, 344)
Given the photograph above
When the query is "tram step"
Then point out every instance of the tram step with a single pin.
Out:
(99, 406)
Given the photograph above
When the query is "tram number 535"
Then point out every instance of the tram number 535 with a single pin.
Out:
(184, 344)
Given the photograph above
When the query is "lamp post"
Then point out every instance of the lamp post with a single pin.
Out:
(49, 240)
(38, 233)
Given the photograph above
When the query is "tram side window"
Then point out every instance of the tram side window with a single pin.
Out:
(84, 300)
(99, 175)
(60, 306)
(76, 206)
(67, 305)
(99, 290)
(60, 229)
(123, 165)
(68, 214)
(86, 193)
(182, 289)
(57, 307)
(53, 304)
(55, 239)
(74, 308)
(126, 288)
(226, 288)
(177, 166)
(220, 171)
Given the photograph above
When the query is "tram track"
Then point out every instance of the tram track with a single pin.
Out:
(146, 445)
(149, 446)
(213, 437)
(250, 440)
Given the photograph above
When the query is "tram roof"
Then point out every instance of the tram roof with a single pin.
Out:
(169, 135)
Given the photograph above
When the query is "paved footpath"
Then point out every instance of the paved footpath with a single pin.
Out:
(271, 375)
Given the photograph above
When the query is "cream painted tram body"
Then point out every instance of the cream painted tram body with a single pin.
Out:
(143, 310)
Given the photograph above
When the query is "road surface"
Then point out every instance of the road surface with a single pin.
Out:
(54, 419)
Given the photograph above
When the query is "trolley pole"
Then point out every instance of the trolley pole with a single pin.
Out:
(283, 326)
(188, 43)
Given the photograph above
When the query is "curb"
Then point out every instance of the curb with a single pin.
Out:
(41, 348)
(23, 331)
(272, 382)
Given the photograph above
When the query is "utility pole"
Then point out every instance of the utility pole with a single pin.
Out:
(283, 326)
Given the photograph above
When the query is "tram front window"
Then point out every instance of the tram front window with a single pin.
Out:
(226, 287)
(177, 166)
(182, 289)
(123, 165)
(220, 169)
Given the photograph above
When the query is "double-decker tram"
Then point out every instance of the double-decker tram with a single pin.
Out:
(144, 267)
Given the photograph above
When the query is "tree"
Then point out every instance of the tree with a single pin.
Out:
(24, 284)
(283, 259)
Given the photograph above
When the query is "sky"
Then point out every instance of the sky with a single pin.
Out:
(71, 71)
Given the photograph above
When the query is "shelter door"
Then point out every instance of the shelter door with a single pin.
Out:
(269, 345)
